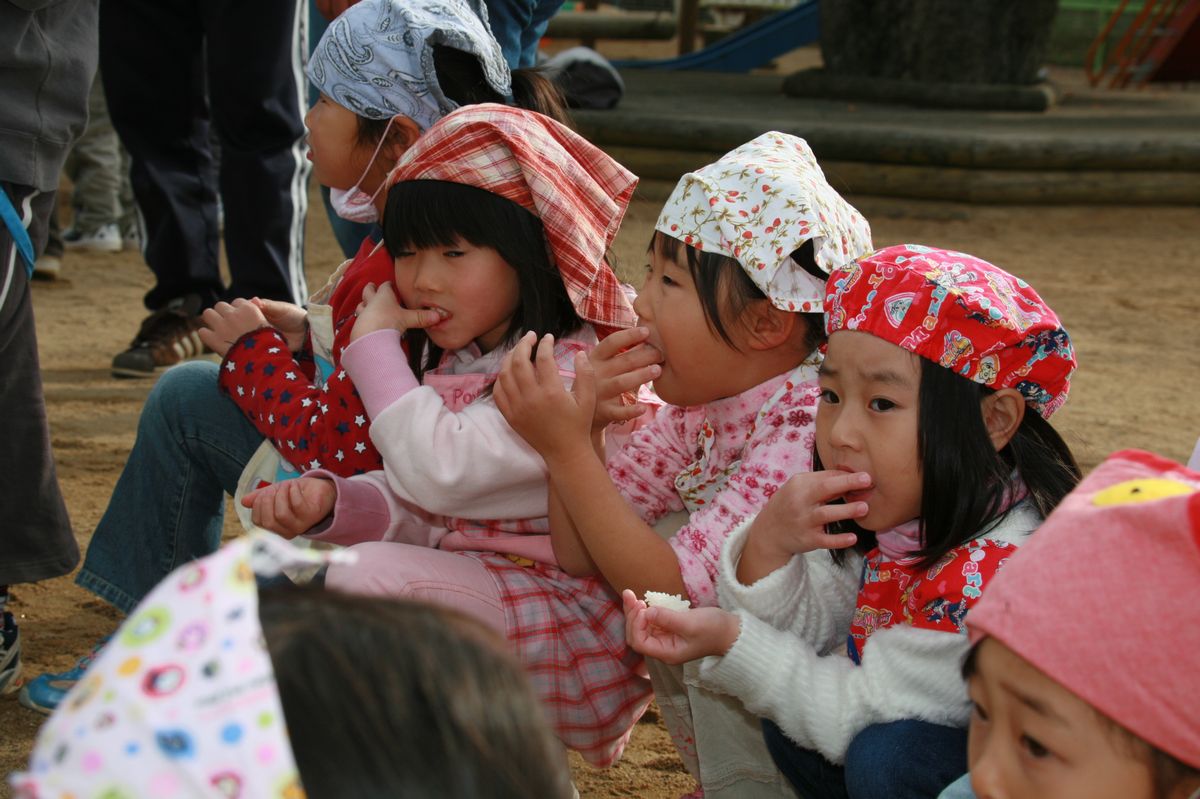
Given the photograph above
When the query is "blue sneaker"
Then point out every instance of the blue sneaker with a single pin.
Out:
(44, 692)
(10, 654)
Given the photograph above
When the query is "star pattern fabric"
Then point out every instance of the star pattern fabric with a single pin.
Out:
(315, 421)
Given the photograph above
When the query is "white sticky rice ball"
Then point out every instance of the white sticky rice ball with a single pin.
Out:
(657, 599)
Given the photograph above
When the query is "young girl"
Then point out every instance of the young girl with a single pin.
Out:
(730, 310)
(498, 221)
(213, 689)
(940, 372)
(1080, 690)
(194, 444)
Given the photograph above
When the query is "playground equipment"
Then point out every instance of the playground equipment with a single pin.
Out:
(1162, 43)
(750, 47)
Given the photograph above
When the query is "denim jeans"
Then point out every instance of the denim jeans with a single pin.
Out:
(169, 503)
(907, 759)
(518, 25)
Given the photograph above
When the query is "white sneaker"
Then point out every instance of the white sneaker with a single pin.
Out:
(104, 239)
(47, 267)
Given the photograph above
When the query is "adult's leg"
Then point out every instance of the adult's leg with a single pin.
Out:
(808, 771)
(408, 571)
(256, 55)
(169, 502)
(151, 60)
(36, 542)
(906, 759)
(531, 36)
(95, 168)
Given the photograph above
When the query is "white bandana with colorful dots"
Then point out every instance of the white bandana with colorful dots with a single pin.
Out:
(182, 701)
(758, 204)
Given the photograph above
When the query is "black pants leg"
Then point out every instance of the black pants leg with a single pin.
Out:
(257, 89)
(169, 68)
(35, 535)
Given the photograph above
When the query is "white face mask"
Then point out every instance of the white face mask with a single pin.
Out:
(354, 204)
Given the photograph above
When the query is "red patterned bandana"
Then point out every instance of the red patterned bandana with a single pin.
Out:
(959, 312)
(578, 192)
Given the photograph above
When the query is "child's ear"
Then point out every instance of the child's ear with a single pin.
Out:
(768, 326)
(402, 135)
(1002, 415)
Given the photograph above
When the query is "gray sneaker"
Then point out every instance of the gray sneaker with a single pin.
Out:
(103, 239)
(167, 336)
(10, 654)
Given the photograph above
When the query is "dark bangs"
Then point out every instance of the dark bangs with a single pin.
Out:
(423, 214)
(964, 480)
(725, 290)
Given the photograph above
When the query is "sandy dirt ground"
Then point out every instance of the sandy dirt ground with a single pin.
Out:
(1125, 283)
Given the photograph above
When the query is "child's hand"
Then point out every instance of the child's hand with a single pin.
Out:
(288, 318)
(678, 636)
(538, 406)
(225, 323)
(794, 518)
(623, 362)
(292, 507)
(380, 310)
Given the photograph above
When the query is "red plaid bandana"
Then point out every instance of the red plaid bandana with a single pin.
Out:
(959, 312)
(578, 192)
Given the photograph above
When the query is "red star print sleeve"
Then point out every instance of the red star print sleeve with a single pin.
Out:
(312, 426)
(945, 592)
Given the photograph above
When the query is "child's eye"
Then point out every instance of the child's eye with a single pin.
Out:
(666, 281)
(829, 397)
(402, 254)
(1034, 747)
(881, 404)
(454, 253)
(979, 712)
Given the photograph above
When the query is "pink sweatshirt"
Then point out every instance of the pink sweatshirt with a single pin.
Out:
(768, 429)
(456, 476)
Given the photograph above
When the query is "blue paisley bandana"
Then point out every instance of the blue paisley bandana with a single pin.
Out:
(376, 59)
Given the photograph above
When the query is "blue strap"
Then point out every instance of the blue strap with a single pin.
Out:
(20, 235)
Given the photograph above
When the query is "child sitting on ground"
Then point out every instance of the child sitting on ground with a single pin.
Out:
(935, 456)
(194, 444)
(1082, 678)
(730, 314)
(211, 689)
(498, 221)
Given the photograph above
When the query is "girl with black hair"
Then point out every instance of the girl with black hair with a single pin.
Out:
(730, 312)
(934, 457)
(205, 432)
(497, 221)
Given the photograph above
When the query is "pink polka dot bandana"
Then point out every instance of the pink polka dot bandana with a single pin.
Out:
(959, 312)
(182, 701)
(758, 204)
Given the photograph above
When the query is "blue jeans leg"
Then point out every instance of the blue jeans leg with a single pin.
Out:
(808, 771)
(169, 503)
(906, 759)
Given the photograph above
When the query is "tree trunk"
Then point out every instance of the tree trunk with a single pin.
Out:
(946, 41)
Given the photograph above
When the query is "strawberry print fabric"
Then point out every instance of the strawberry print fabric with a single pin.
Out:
(758, 204)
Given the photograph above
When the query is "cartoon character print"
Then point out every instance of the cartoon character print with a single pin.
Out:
(1017, 318)
(987, 370)
(957, 348)
(941, 609)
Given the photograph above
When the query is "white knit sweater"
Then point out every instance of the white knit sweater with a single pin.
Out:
(789, 664)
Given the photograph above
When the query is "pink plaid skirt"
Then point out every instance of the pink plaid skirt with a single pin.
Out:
(569, 633)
